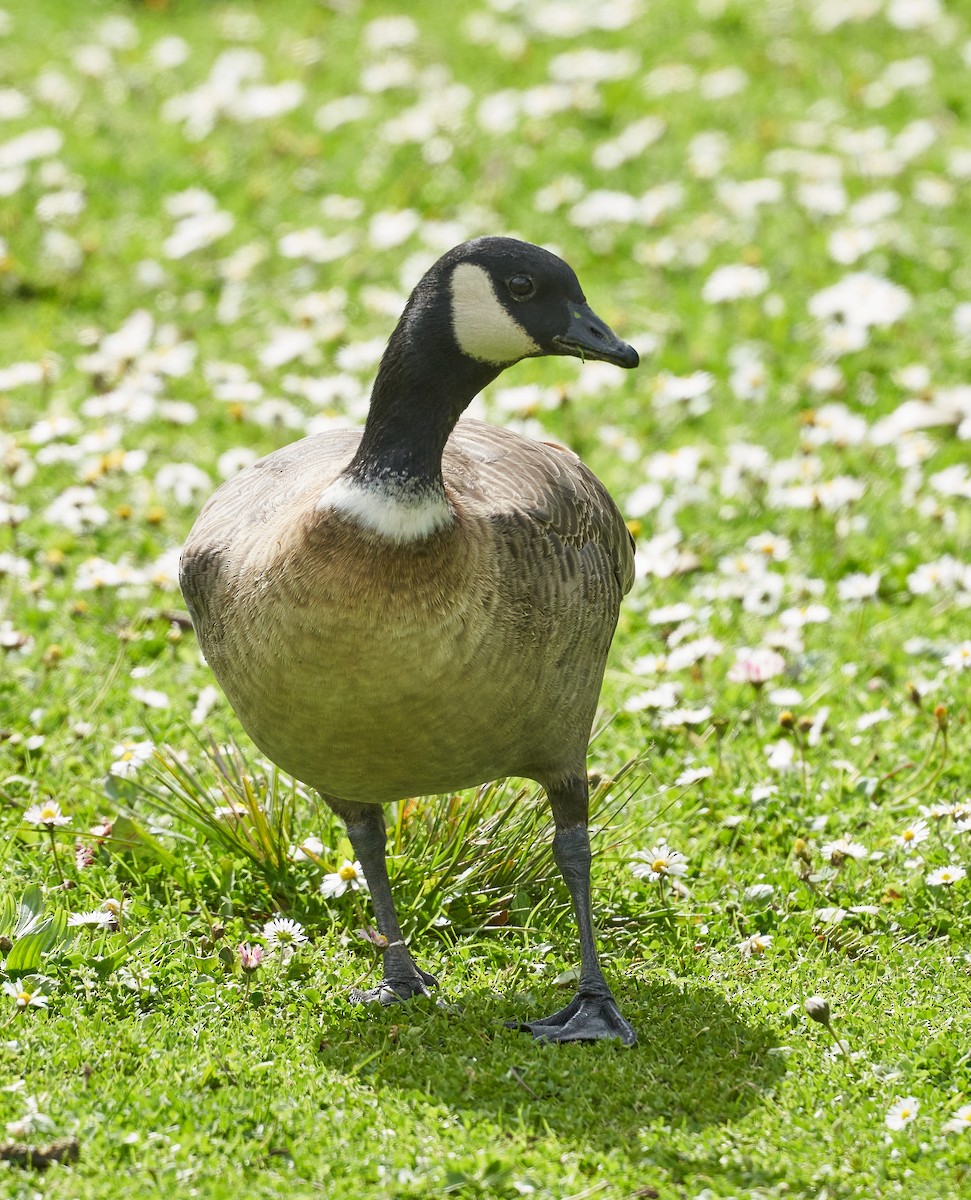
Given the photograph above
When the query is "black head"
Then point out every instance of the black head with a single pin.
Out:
(510, 300)
(482, 306)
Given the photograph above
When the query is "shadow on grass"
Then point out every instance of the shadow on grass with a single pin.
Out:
(698, 1062)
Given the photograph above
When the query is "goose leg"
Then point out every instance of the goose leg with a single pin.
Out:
(402, 978)
(593, 1013)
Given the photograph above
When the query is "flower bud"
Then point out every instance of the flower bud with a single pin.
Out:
(250, 957)
(818, 1009)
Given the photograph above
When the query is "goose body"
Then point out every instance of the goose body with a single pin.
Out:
(377, 672)
(427, 604)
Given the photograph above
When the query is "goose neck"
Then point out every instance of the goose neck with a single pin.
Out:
(423, 386)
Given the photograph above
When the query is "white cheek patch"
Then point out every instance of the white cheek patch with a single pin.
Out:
(484, 329)
(391, 512)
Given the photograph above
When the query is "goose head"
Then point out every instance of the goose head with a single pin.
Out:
(509, 300)
(483, 306)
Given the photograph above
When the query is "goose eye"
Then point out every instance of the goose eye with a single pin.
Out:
(521, 286)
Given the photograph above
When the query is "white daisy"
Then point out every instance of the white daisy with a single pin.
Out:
(99, 918)
(658, 863)
(959, 657)
(24, 996)
(284, 934)
(946, 876)
(47, 814)
(901, 1112)
(916, 832)
(960, 1122)
(755, 946)
(348, 876)
(310, 848)
(841, 849)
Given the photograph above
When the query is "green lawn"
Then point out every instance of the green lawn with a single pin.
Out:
(210, 217)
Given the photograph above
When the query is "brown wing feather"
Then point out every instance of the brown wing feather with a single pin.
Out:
(550, 496)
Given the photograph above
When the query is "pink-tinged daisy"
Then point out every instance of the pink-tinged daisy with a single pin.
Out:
(250, 957)
(756, 666)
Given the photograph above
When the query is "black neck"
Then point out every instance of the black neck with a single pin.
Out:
(423, 386)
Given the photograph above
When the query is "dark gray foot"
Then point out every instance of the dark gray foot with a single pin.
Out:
(394, 991)
(585, 1019)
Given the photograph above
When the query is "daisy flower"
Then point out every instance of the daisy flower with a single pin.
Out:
(686, 716)
(901, 1112)
(755, 946)
(33, 1119)
(857, 587)
(946, 876)
(914, 833)
(756, 666)
(734, 282)
(817, 1007)
(24, 997)
(693, 775)
(843, 848)
(99, 918)
(233, 810)
(960, 1122)
(48, 814)
(310, 848)
(374, 937)
(127, 757)
(348, 876)
(284, 934)
(959, 657)
(658, 863)
(780, 755)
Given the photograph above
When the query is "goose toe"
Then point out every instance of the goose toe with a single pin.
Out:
(395, 991)
(585, 1019)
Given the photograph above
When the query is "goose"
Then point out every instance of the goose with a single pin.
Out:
(427, 604)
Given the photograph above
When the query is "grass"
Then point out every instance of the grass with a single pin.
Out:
(176, 1071)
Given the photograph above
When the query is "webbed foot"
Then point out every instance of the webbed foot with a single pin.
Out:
(395, 991)
(586, 1018)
